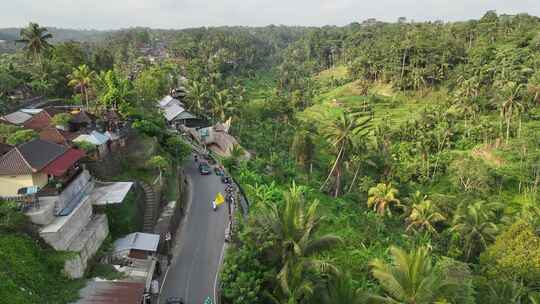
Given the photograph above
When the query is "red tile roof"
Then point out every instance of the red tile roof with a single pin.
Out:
(41, 120)
(54, 135)
(60, 165)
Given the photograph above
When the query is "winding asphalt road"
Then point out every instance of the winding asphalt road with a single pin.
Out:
(196, 261)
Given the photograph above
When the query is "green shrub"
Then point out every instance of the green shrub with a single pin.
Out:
(30, 274)
(21, 137)
(514, 255)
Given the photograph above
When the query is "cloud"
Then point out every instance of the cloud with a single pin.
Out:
(111, 14)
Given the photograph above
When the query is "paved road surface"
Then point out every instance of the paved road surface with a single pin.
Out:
(195, 264)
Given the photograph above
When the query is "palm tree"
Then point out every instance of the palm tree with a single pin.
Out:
(341, 289)
(411, 278)
(196, 96)
(381, 197)
(236, 155)
(340, 135)
(296, 285)
(221, 105)
(81, 79)
(475, 227)
(511, 104)
(423, 214)
(294, 225)
(35, 39)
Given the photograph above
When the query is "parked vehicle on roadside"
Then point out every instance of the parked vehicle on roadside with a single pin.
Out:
(204, 168)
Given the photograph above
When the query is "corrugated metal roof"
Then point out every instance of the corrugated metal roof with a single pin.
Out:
(94, 137)
(111, 292)
(172, 110)
(165, 101)
(17, 118)
(185, 115)
(137, 240)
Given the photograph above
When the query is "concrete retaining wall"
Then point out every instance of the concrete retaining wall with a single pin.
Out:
(86, 245)
(63, 230)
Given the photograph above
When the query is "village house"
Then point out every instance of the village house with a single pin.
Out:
(216, 138)
(34, 164)
(174, 112)
(42, 120)
(16, 118)
(4, 148)
(137, 245)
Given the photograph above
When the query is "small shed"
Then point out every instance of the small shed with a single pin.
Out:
(97, 139)
(16, 118)
(137, 245)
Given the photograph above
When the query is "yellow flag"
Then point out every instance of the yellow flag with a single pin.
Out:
(219, 199)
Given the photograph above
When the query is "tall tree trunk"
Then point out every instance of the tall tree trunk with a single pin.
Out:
(507, 130)
(338, 181)
(86, 98)
(403, 66)
(354, 178)
(338, 159)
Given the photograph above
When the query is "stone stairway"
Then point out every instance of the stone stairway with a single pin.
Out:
(150, 208)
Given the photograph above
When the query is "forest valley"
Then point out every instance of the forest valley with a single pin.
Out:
(391, 162)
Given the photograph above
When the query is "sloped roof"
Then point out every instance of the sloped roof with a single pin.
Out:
(172, 110)
(17, 118)
(83, 117)
(139, 241)
(185, 115)
(30, 157)
(110, 193)
(55, 135)
(166, 100)
(31, 111)
(111, 292)
(4, 148)
(61, 164)
(41, 120)
(94, 137)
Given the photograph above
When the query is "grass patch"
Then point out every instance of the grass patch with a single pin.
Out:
(339, 72)
(124, 218)
(30, 274)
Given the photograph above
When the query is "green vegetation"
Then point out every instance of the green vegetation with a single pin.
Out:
(21, 137)
(30, 273)
(124, 218)
(447, 153)
(61, 119)
(412, 148)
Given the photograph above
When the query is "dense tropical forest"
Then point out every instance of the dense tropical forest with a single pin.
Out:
(390, 162)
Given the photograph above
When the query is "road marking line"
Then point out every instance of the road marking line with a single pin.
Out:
(163, 282)
(217, 272)
(178, 240)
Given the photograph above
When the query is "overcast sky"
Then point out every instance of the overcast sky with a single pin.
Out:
(114, 14)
